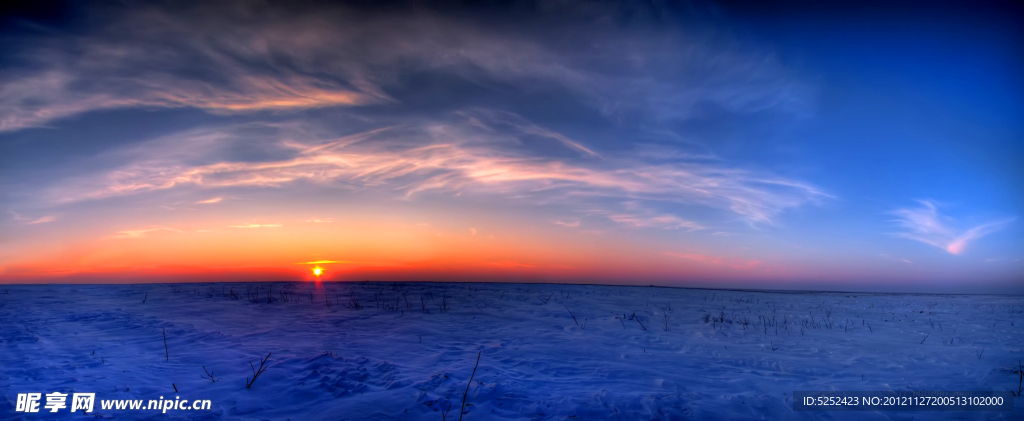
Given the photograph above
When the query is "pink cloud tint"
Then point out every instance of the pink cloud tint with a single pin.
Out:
(926, 225)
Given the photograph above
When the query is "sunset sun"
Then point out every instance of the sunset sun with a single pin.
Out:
(317, 271)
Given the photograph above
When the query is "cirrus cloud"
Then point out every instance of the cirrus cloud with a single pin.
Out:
(449, 157)
(242, 57)
(926, 225)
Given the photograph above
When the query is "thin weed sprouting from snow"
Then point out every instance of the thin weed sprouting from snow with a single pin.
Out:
(664, 315)
(423, 305)
(257, 371)
(571, 315)
(1020, 379)
(167, 354)
(462, 409)
(444, 413)
(208, 375)
(353, 303)
(642, 327)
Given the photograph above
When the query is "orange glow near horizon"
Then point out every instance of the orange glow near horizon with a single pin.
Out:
(373, 247)
(234, 243)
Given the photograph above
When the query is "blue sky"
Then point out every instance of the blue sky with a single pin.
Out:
(913, 103)
(787, 145)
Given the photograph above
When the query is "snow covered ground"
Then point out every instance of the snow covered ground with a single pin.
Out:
(633, 353)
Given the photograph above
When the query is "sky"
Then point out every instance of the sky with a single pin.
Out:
(777, 145)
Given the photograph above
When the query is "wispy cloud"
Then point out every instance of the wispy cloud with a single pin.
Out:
(323, 262)
(515, 127)
(896, 259)
(926, 225)
(571, 222)
(37, 99)
(454, 157)
(242, 58)
(658, 221)
(30, 221)
(43, 220)
(210, 201)
(139, 233)
(285, 64)
(256, 226)
(353, 263)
